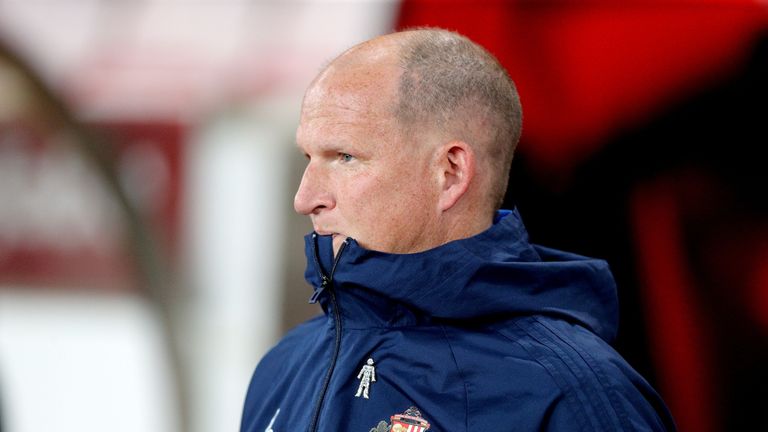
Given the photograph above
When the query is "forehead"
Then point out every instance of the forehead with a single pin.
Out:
(349, 100)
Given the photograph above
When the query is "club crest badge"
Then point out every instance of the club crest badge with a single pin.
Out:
(409, 421)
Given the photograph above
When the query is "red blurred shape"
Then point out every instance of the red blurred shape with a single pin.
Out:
(678, 331)
(759, 283)
(63, 226)
(587, 69)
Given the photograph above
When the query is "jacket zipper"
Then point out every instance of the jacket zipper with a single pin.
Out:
(327, 284)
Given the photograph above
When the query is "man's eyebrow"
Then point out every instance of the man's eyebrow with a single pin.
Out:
(321, 147)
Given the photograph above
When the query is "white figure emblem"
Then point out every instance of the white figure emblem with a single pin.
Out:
(366, 376)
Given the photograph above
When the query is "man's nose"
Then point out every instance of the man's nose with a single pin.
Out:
(313, 194)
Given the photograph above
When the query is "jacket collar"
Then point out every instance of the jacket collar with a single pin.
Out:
(494, 275)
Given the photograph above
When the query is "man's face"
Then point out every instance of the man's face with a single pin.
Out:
(363, 179)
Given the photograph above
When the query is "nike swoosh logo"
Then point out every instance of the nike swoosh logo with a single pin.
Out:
(271, 422)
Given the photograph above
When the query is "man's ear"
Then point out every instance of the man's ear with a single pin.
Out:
(457, 170)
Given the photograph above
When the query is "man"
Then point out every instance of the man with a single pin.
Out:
(425, 285)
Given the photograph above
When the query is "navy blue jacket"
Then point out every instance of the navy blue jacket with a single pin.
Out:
(489, 333)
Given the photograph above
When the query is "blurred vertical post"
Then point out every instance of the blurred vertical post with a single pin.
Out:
(237, 166)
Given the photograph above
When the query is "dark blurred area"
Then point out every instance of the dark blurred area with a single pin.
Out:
(678, 208)
(643, 123)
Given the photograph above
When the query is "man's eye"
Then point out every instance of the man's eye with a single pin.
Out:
(346, 157)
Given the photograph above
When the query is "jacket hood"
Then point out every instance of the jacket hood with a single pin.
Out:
(494, 275)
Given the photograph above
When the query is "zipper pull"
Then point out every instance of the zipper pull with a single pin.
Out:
(316, 294)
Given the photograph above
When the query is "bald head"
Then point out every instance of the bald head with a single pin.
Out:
(438, 82)
(365, 78)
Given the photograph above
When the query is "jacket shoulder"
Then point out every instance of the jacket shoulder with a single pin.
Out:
(547, 374)
(596, 389)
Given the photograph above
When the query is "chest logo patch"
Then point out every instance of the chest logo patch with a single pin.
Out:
(409, 421)
(366, 376)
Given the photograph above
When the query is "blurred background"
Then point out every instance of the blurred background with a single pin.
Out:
(149, 253)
